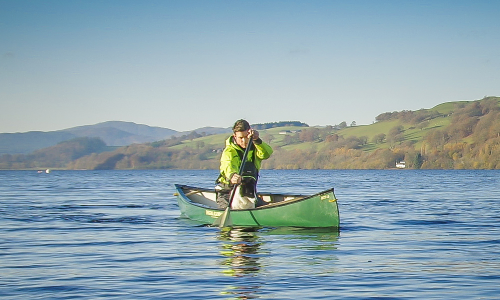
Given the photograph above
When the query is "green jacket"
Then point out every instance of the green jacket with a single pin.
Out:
(230, 160)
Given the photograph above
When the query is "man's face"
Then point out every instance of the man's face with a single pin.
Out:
(241, 138)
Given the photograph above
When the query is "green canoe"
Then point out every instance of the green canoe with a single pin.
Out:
(319, 210)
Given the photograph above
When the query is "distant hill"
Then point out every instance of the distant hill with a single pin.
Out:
(113, 133)
(117, 133)
(208, 131)
(27, 142)
(57, 156)
(452, 135)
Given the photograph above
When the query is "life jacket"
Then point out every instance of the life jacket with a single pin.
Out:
(250, 171)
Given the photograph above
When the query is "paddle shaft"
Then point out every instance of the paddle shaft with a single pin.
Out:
(242, 168)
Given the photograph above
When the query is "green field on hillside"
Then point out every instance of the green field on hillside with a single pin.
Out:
(276, 136)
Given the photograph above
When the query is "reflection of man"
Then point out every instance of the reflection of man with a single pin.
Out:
(240, 251)
(231, 161)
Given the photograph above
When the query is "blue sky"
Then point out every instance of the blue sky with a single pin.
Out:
(189, 64)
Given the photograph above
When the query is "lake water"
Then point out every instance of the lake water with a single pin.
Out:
(405, 234)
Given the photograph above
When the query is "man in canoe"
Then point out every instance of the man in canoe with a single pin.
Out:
(231, 161)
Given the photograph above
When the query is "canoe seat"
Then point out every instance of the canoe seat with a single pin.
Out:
(204, 198)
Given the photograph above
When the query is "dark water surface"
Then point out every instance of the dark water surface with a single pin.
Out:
(118, 235)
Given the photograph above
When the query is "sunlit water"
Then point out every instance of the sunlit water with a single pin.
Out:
(119, 235)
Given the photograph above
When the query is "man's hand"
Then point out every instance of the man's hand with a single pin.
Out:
(235, 179)
(253, 133)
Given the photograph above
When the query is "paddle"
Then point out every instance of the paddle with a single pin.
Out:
(225, 219)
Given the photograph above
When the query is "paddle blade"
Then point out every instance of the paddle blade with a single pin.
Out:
(224, 220)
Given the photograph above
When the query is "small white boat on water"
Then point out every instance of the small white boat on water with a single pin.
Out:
(401, 165)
